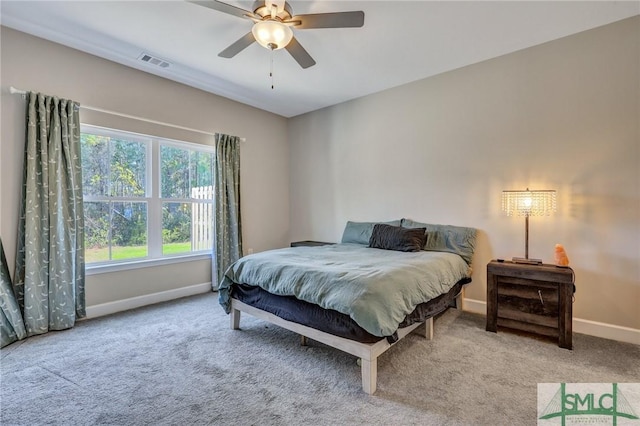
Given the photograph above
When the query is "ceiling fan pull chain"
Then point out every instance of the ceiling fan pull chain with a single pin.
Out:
(271, 70)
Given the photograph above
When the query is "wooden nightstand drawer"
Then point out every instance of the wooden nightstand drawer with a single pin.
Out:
(532, 298)
(509, 307)
(539, 298)
(539, 290)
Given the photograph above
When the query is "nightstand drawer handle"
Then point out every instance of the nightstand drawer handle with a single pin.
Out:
(540, 294)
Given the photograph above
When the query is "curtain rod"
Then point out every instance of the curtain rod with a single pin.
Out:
(15, 91)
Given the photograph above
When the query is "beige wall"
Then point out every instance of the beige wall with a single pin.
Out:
(34, 64)
(564, 115)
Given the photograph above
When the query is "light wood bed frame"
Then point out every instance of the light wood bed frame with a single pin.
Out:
(367, 352)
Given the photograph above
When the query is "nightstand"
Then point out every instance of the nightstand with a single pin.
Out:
(308, 243)
(532, 298)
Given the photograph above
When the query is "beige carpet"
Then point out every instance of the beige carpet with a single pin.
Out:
(178, 363)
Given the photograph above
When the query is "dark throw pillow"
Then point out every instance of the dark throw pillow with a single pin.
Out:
(390, 237)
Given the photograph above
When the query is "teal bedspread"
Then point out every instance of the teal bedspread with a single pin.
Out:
(376, 288)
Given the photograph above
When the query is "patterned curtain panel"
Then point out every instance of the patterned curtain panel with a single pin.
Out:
(11, 324)
(228, 232)
(49, 278)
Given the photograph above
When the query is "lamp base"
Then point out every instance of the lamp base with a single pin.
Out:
(527, 261)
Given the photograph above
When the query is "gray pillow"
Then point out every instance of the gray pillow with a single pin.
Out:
(453, 239)
(389, 237)
(360, 232)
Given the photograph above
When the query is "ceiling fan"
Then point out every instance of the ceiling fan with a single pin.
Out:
(273, 20)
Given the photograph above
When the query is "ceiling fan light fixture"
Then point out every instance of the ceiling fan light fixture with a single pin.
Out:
(272, 34)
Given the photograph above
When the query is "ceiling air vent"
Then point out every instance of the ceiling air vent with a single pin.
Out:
(145, 57)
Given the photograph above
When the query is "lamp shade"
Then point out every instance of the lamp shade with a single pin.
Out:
(272, 34)
(529, 203)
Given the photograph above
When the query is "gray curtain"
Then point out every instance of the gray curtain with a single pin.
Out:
(228, 231)
(49, 278)
(11, 324)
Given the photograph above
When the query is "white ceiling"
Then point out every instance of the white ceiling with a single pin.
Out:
(401, 41)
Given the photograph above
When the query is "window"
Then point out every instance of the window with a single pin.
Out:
(186, 177)
(144, 197)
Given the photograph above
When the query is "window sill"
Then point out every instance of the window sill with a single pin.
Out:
(144, 263)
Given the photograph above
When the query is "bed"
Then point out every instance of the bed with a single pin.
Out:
(382, 282)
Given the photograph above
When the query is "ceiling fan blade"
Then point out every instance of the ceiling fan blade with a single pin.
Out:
(223, 7)
(238, 46)
(330, 20)
(301, 56)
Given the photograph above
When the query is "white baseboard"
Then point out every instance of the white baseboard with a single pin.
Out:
(592, 328)
(607, 331)
(148, 299)
(475, 306)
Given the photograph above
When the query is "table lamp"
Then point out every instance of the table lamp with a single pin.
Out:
(528, 203)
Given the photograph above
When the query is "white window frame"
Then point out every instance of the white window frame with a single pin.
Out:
(152, 198)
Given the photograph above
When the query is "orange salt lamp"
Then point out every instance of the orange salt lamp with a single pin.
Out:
(561, 256)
